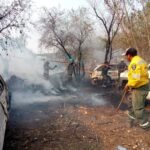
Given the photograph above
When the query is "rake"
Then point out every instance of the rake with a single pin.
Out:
(122, 98)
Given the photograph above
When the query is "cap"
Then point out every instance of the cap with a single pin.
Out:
(131, 51)
(124, 54)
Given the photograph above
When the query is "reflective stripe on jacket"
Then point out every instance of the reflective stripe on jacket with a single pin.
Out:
(137, 72)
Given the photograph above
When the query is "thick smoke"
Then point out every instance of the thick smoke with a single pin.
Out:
(24, 65)
(23, 72)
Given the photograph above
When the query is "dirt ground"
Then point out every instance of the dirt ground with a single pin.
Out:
(69, 126)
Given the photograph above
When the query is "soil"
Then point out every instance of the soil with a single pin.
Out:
(74, 126)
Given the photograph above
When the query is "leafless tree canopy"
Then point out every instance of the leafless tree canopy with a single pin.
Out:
(12, 17)
(67, 31)
(55, 29)
(110, 20)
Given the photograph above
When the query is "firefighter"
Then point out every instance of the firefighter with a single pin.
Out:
(46, 70)
(121, 67)
(106, 77)
(138, 83)
(70, 70)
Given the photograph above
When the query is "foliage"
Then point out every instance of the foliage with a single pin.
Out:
(135, 27)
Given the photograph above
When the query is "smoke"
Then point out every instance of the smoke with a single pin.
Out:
(25, 66)
(23, 71)
(74, 97)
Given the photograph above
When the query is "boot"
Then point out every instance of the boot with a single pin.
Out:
(145, 125)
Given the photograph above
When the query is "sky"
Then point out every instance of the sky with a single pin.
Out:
(63, 4)
(67, 4)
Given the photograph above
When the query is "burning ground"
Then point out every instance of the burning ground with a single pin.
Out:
(78, 118)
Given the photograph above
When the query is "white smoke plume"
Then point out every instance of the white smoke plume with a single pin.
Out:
(31, 87)
(27, 69)
(22, 64)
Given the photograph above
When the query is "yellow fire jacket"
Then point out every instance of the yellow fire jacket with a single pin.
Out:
(137, 72)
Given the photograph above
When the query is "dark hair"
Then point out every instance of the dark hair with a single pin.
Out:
(131, 51)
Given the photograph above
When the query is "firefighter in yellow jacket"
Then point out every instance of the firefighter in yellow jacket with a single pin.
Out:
(138, 82)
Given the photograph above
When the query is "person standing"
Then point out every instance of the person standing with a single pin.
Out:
(138, 83)
(121, 67)
(70, 71)
(106, 77)
(46, 70)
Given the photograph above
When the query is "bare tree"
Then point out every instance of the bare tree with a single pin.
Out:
(55, 30)
(81, 28)
(110, 21)
(67, 32)
(12, 17)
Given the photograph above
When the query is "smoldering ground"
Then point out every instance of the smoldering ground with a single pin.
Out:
(39, 106)
(23, 72)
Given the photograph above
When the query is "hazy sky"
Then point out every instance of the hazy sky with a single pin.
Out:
(68, 4)
(63, 4)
